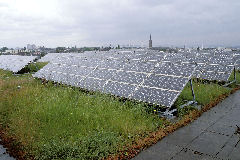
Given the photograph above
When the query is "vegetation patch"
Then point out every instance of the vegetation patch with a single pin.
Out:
(59, 122)
(237, 77)
(33, 67)
(204, 93)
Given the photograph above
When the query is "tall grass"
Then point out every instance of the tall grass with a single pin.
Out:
(60, 122)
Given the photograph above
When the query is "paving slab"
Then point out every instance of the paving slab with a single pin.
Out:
(4, 155)
(209, 143)
(188, 134)
(229, 147)
(160, 151)
(223, 129)
(187, 154)
(211, 136)
(2, 150)
(230, 120)
(235, 154)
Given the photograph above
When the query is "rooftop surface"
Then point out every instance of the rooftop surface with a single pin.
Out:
(214, 135)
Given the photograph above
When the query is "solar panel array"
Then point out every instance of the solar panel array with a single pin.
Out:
(15, 63)
(217, 67)
(212, 65)
(143, 75)
(52, 57)
(147, 76)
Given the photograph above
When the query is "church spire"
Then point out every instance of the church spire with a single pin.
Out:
(150, 41)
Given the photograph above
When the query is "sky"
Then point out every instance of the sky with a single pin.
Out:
(53, 23)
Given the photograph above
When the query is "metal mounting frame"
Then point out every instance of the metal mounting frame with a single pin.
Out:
(169, 113)
(193, 102)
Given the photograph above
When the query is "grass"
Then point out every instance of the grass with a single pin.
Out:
(33, 67)
(237, 77)
(204, 93)
(59, 122)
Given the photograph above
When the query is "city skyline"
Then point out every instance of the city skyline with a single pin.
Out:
(104, 22)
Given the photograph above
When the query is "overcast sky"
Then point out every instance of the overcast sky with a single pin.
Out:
(102, 22)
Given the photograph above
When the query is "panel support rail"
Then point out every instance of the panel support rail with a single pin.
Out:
(193, 102)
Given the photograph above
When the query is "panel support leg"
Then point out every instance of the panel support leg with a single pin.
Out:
(193, 94)
(193, 102)
(235, 77)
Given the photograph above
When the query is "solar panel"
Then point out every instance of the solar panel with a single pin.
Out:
(236, 58)
(49, 57)
(140, 66)
(55, 57)
(155, 95)
(129, 77)
(214, 66)
(119, 89)
(15, 63)
(139, 75)
(176, 68)
(164, 84)
(211, 65)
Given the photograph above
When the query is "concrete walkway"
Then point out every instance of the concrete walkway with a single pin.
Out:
(4, 155)
(213, 136)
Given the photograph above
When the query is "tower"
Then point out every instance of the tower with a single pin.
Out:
(150, 41)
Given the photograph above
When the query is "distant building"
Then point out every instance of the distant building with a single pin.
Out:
(31, 47)
(10, 51)
(19, 51)
(227, 49)
(150, 41)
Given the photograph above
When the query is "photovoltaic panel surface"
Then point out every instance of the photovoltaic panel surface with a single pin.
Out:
(139, 75)
(214, 66)
(15, 63)
(211, 64)
(49, 57)
(237, 61)
(165, 83)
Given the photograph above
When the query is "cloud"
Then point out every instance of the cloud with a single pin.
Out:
(101, 22)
